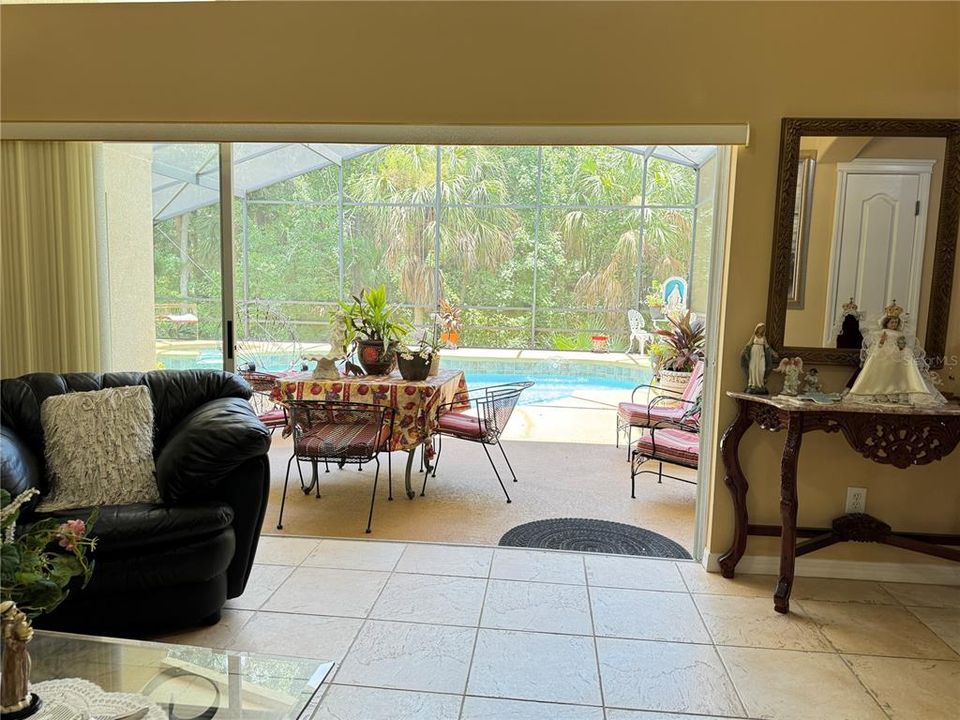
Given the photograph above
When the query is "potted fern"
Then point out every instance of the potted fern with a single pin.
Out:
(684, 348)
(370, 323)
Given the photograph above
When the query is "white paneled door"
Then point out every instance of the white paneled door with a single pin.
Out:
(879, 236)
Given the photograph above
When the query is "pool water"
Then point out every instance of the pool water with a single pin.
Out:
(556, 378)
(549, 388)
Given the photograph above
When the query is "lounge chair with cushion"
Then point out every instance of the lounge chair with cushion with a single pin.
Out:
(663, 406)
(675, 442)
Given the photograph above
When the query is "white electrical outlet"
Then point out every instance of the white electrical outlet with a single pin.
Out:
(856, 500)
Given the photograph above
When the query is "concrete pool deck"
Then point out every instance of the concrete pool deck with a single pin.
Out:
(563, 452)
(194, 348)
(587, 416)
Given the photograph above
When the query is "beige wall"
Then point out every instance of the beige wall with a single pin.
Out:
(540, 63)
(805, 327)
(127, 240)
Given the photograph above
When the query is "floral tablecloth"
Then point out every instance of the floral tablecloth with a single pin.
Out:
(417, 403)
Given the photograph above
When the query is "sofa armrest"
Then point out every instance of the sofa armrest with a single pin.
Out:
(207, 447)
(19, 468)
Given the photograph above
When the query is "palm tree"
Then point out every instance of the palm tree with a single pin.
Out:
(607, 278)
(472, 238)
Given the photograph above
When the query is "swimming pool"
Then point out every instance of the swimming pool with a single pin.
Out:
(556, 378)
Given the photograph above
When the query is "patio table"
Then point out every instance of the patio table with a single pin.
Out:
(416, 403)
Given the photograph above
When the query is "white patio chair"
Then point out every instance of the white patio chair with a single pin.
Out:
(638, 331)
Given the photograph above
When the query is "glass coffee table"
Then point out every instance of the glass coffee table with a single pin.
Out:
(184, 682)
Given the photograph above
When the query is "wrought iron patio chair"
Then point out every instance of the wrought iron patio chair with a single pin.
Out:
(663, 406)
(271, 411)
(482, 422)
(638, 331)
(676, 442)
(340, 432)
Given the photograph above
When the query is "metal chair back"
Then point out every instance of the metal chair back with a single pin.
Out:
(334, 429)
(263, 401)
(497, 405)
(342, 432)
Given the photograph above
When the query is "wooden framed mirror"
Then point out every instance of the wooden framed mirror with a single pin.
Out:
(876, 222)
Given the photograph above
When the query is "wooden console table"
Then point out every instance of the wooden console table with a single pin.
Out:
(896, 436)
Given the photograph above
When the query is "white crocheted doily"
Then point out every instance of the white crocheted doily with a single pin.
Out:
(77, 698)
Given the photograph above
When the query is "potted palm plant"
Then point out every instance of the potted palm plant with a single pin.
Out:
(370, 323)
(684, 347)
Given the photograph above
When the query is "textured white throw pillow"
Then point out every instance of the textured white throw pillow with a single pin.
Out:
(99, 448)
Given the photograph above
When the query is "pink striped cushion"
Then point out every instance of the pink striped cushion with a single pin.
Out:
(469, 426)
(342, 439)
(274, 418)
(694, 384)
(676, 446)
(636, 414)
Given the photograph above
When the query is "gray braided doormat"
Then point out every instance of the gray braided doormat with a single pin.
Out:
(599, 536)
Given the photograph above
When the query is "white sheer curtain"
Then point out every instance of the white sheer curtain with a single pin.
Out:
(49, 317)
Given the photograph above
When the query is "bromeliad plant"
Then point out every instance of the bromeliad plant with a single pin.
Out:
(368, 316)
(448, 321)
(684, 341)
(37, 564)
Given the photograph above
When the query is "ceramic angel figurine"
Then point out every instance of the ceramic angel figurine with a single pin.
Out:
(340, 344)
(893, 366)
(791, 369)
(757, 361)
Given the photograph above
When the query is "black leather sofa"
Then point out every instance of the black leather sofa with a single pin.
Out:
(163, 566)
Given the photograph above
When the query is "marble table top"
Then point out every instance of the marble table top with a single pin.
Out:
(789, 404)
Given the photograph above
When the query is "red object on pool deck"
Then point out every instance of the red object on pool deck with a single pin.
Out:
(600, 343)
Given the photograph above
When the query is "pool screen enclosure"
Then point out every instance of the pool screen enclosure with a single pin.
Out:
(541, 246)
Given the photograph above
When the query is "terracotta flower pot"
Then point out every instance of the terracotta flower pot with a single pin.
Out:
(374, 359)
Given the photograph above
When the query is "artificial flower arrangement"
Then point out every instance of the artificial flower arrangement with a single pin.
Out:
(37, 564)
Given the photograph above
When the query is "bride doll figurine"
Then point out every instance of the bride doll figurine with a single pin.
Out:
(891, 367)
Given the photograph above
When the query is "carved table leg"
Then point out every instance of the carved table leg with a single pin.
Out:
(788, 512)
(737, 484)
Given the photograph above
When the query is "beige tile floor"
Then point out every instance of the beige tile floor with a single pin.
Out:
(444, 632)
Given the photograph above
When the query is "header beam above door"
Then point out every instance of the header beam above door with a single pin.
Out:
(728, 134)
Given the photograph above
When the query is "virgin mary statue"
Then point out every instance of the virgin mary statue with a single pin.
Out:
(892, 371)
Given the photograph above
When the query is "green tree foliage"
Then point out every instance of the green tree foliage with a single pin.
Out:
(589, 253)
